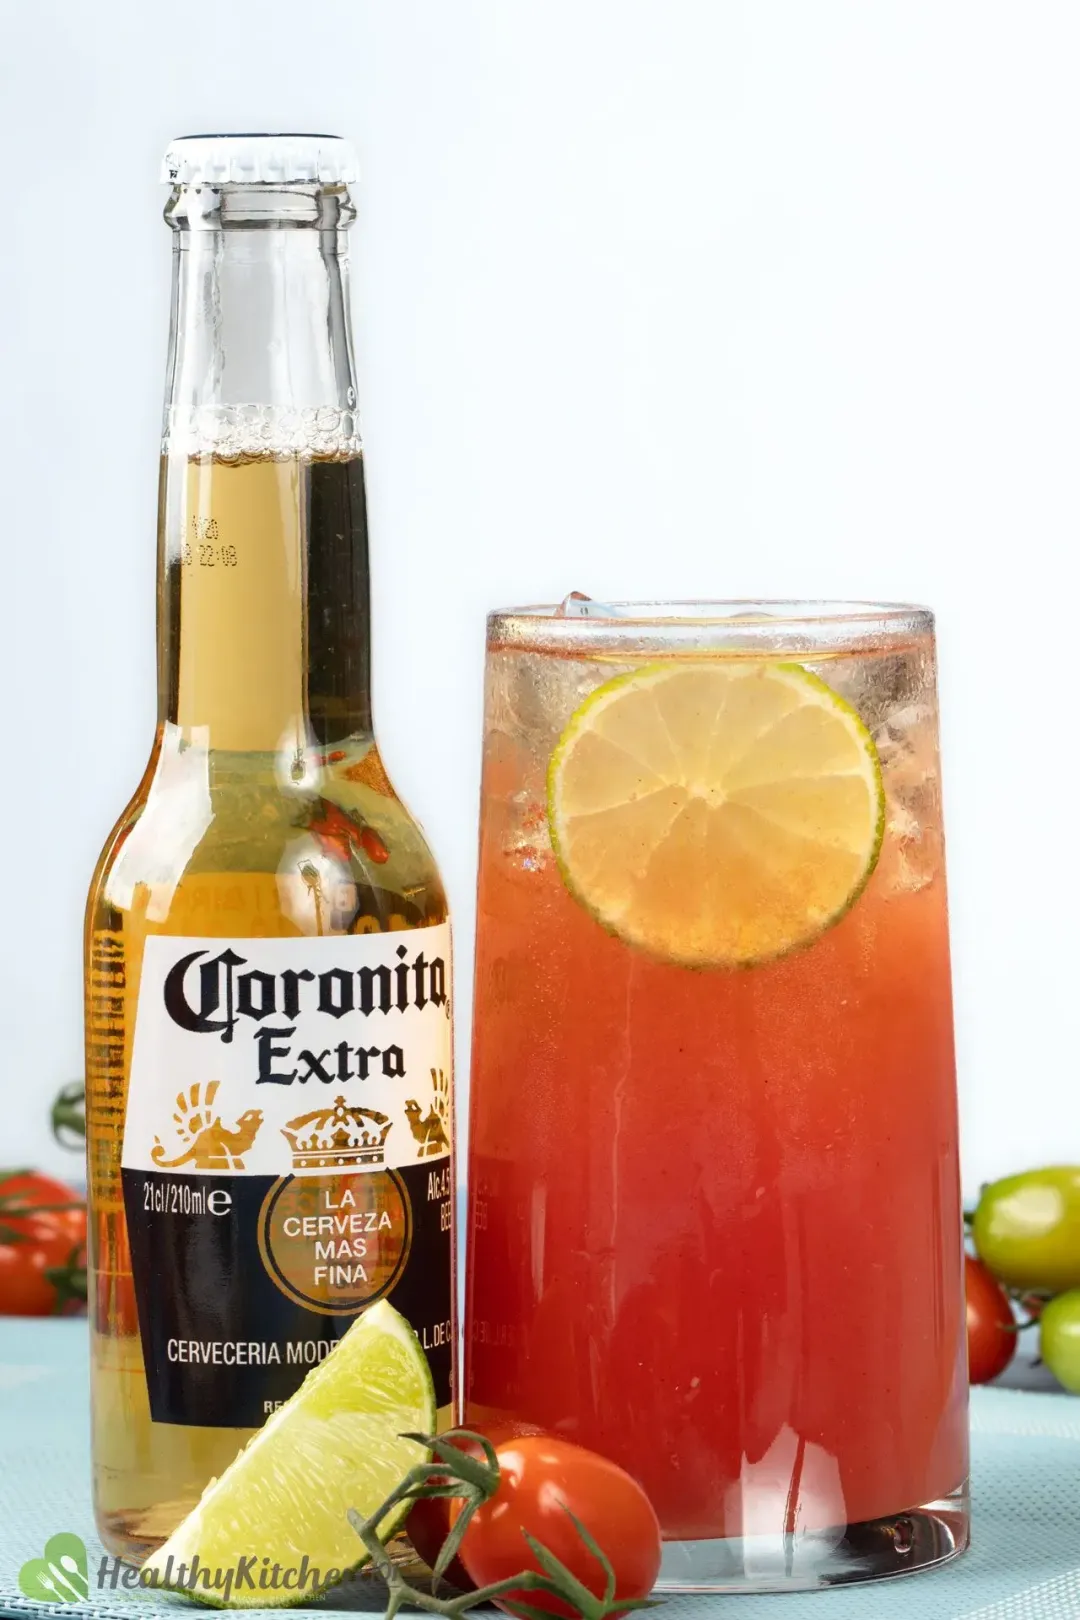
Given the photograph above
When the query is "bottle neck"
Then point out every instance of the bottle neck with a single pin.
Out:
(264, 595)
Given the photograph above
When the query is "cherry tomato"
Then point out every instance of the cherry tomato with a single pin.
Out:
(429, 1521)
(542, 1476)
(1027, 1228)
(991, 1331)
(37, 1237)
(1059, 1338)
(27, 1196)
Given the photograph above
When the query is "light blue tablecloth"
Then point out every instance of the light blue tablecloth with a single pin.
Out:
(1024, 1565)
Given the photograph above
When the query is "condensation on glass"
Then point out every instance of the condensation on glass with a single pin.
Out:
(714, 1219)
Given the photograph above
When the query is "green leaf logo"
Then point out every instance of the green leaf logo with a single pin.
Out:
(61, 1576)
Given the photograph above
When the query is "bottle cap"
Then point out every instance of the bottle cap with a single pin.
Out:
(259, 160)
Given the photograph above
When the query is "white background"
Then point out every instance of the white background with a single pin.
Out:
(665, 299)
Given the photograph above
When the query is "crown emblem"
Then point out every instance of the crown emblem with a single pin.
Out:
(329, 1138)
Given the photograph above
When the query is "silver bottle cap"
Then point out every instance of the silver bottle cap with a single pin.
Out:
(259, 160)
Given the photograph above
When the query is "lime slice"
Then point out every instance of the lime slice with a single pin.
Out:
(336, 1444)
(716, 815)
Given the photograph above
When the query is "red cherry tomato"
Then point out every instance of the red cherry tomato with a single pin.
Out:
(37, 1236)
(27, 1196)
(991, 1331)
(429, 1521)
(542, 1476)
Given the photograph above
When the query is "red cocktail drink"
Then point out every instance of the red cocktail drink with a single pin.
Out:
(715, 1225)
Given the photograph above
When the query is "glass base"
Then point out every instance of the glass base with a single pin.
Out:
(900, 1544)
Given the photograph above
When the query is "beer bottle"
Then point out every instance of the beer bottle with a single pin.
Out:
(268, 1012)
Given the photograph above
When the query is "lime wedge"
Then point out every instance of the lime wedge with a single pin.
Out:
(716, 815)
(336, 1444)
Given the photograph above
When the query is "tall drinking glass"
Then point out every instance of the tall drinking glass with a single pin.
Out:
(714, 1227)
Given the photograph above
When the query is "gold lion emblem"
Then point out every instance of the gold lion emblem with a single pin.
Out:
(205, 1143)
(430, 1129)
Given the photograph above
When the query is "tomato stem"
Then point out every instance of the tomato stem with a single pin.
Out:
(458, 1474)
(69, 1280)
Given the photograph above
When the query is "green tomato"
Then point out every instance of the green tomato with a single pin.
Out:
(1059, 1338)
(1027, 1228)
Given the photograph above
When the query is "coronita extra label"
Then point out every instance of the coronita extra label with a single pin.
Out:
(286, 1159)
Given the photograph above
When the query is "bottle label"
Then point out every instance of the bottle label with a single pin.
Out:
(287, 1160)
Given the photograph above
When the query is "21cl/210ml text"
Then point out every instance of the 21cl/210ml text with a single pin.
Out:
(178, 1198)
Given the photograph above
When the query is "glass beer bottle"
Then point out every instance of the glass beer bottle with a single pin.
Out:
(268, 1023)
